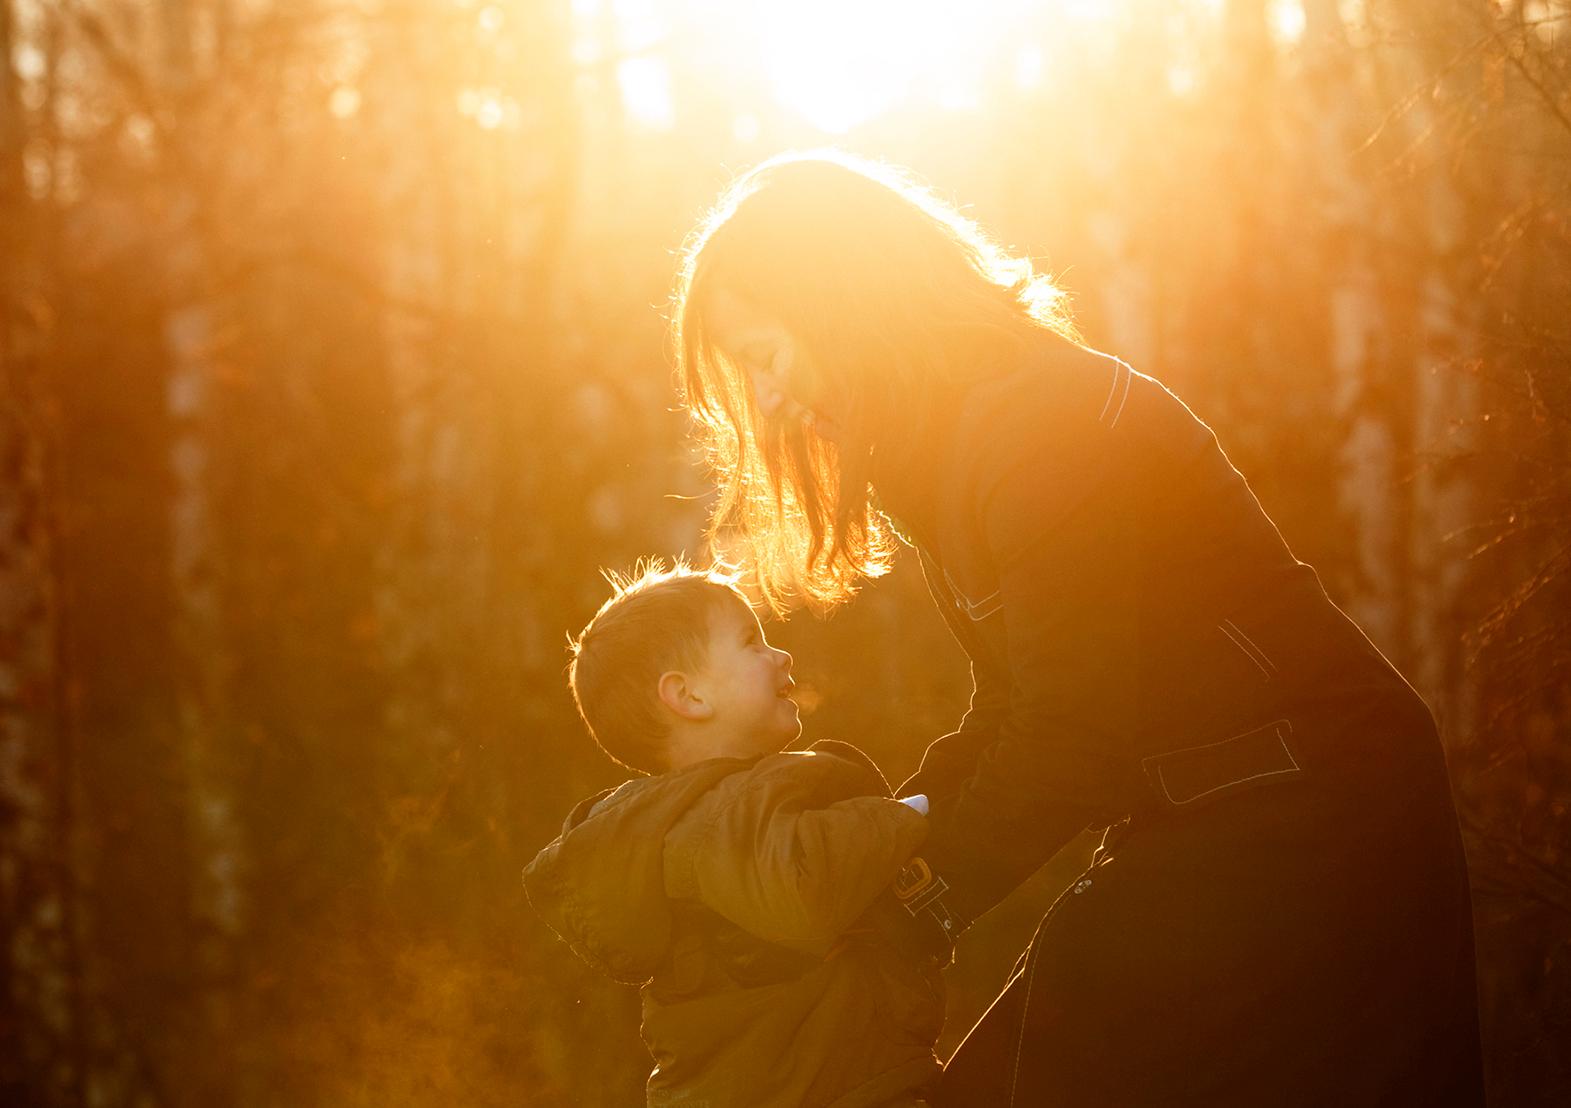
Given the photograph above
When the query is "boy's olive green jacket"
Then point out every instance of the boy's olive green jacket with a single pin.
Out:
(729, 891)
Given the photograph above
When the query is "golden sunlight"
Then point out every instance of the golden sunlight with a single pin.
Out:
(1287, 21)
(837, 64)
(348, 347)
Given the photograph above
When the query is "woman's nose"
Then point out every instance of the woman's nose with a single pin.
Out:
(767, 392)
(784, 659)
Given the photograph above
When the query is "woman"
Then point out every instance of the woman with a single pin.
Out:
(1279, 911)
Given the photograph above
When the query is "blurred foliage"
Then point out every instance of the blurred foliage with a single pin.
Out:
(332, 369)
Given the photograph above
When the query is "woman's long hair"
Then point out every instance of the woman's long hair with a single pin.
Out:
(897, 298)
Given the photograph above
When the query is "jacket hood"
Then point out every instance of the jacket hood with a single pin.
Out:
(601, 884)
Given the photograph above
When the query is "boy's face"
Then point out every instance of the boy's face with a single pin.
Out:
(748, 683)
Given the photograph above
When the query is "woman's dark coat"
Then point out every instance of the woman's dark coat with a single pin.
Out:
(1280, 913)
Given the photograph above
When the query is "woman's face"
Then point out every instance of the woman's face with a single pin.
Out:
(786, 382)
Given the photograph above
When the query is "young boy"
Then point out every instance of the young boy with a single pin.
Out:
(727, 881)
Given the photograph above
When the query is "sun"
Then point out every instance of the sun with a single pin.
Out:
(841, 64)
(835, 64)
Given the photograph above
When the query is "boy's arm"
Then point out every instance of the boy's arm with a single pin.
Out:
(791, 872)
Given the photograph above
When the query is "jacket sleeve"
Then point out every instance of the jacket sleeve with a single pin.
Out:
(790, 871)
(950, 759)
(1061, 531)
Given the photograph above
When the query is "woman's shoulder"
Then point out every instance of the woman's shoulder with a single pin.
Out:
(1058, 404)
(1065, 413)
(1058, 380)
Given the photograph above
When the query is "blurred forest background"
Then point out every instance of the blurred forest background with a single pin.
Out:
(332, 368)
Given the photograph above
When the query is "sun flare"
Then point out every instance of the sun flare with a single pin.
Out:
(838, 64)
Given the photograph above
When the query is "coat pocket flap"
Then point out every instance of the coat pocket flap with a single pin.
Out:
(1260, 756)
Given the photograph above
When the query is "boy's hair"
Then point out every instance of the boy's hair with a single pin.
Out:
(656, 620)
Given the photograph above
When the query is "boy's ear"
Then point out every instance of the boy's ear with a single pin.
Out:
(678, 693)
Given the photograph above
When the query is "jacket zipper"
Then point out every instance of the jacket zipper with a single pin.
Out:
(1082, 883)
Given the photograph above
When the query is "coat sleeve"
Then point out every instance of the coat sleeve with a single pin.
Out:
(949, 760)
(1061, 530)
(789, 869)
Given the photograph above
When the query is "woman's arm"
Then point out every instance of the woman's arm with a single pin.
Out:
(951, 759)
(1063, 540)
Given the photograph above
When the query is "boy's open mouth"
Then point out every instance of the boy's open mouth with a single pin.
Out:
(784, 692)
